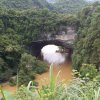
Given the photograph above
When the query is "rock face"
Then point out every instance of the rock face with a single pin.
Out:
(66, 33)
(64, 37)
(36, 46)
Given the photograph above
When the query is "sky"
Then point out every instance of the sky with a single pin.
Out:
(86, 0)
(92, 0)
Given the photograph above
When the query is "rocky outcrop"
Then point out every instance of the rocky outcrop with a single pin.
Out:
(36, 46)
(66, 33)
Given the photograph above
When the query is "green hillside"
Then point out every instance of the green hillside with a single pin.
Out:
(69, 6)
(63, 6)
(25, 4)
(87, 44)
(22, 22)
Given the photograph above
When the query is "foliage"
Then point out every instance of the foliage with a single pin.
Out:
(87, 44)
(20, 28)
(5, 72)
(47, 92)
(10, 52)
(6, 95)
(28, 25)
(29, 65)
(12, 81)
(97, 78)
(25, 4)
(77, 89)
(62, 6)
(88, 70)
(39, 66)
(69, 6)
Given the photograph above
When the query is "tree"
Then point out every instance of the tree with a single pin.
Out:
(5, 71)
(87, 44)
(28, 67)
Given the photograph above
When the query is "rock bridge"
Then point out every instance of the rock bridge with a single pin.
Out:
(36, 46)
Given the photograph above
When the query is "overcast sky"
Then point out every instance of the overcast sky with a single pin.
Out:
(53, 1)
(86, 0)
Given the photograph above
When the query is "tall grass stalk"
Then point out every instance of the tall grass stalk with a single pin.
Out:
(78, 89)
(52, 82)
(1, 91)
(17, 85)
(97, 94)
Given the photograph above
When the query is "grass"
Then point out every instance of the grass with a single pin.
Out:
(6, 95)
(2, 93)
(78, 89)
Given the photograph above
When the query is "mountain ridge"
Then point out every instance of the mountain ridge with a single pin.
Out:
(69, 6)
(62, 6)
(25, 4)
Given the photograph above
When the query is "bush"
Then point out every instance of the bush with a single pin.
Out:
(5, 71)
(77, 89)
(88, 70)
(24, 78)
(12, 81)
(39, 66)
(87, 42)
(28, 67)
(97, 78)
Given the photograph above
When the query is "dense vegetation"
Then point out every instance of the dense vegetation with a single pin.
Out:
(63, 6)
(78, 89)
(87, 44)
(69, 6)
(25, 4)
(13, 30)
(20, 26)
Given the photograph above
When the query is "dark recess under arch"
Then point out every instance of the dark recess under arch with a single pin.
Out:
(36, 46)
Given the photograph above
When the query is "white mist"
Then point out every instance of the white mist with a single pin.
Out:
(51, 54)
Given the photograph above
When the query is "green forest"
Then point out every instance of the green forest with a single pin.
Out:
(72, 6)
(24, 21)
